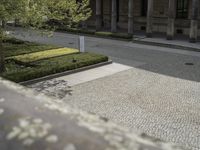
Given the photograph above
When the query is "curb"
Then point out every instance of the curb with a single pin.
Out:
(49, 77)
(167, 45)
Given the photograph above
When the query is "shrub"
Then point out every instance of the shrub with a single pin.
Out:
(114, 35)
(23, 47)
(46, 67)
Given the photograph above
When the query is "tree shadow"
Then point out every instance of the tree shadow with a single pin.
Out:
(53, 88)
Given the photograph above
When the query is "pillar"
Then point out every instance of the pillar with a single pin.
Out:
(98, 14)
(171, 20)
(194, 21)
(130, 17)
(114, 16)
(149, 19)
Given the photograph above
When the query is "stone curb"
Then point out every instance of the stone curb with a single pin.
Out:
(167, 45)
(49, 77)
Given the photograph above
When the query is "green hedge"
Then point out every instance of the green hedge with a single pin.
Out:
(13, 47)
(46, 67)
(102, 34)
(114, 35)
(76, 30)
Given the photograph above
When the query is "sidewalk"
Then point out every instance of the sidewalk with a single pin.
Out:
(179, 42)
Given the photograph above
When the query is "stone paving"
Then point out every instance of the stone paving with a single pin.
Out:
(161, 106)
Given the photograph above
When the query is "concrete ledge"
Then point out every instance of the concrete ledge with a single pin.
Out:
(174, 46)
(31, 121)
(25, 83)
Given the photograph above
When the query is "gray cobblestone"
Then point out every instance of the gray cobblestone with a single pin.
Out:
(158, 105)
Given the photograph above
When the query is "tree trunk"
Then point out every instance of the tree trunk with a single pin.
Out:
(2, 63)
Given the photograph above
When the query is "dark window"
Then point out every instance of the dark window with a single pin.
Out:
(144, 8)
(182, 9)
(117, 10)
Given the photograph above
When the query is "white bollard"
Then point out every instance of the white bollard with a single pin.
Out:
(82, 44)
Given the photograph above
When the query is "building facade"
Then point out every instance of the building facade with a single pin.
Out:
(165, 16)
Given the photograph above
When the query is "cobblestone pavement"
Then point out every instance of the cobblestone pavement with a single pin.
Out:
(161, 106)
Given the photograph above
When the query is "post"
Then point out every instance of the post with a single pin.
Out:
(114, 16)
(2, 57)
(130, 17)
(149, 19)
(82, 44)
(171, 20)
(98, 15)
(194, 21)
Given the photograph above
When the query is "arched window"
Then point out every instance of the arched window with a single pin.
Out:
(182, 9)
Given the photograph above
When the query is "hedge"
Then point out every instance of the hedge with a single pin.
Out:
(13, 47)
(114, 35)
(54, 65)
(102, 34)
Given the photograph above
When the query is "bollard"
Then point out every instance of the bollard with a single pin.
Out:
(82, 44)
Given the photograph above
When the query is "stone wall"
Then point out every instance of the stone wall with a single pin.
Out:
(31, 121)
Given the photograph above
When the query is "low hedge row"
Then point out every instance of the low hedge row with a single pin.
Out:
(102, 34)
(46, 67)
(32, 57)
(114, 35)
(14, 47)
(76, 30)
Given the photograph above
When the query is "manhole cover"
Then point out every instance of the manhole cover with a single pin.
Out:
(189, 64)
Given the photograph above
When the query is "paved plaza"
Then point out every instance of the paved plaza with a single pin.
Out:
(158, 105)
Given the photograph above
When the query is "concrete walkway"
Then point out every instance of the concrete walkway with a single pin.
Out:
(181, 42)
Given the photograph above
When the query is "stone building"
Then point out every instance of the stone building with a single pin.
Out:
(164, 16)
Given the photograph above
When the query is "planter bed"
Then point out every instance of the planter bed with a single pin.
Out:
(40, 61)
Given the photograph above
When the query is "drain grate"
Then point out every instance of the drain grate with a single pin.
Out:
(189, 64)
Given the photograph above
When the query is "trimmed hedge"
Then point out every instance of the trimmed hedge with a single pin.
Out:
(76, 30)
(102, 34)
(114, 35)
(54, 65)
(31, 57)
(13, 47)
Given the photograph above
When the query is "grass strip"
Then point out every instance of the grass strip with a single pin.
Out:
(31, 57)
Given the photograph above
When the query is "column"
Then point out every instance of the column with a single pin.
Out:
(130, 17)
(171, 20)
(194, 21)
(98, 14)
(114, 16)
(149, 19)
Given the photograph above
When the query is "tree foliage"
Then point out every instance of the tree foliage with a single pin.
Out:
(35, 13)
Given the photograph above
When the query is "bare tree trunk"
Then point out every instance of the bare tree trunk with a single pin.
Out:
(2, 61)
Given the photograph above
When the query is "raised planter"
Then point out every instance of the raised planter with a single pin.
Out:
(49, 77)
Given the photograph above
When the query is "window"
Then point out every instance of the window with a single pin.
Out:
(144, 8)
(182, 9)
(117, 10)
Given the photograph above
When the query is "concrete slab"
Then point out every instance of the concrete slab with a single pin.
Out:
(93, 74)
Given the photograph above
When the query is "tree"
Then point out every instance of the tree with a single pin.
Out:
(35, 13)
